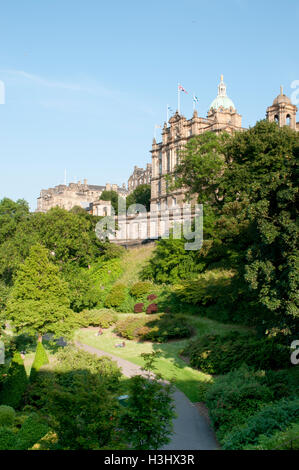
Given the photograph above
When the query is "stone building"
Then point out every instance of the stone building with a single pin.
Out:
(222, 116)
(140, 176)
(75, 194)
(283, 112)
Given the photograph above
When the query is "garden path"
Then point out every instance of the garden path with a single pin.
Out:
(191, 429)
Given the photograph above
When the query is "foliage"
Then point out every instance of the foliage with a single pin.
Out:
(7, 415)
(139, 289)
(219, 354)
(39, 301)
(171, 263)
(115, 199)
(208, 288)
(271, 418)
(40, 359)
(147, 420)
(84, 291)
(281, 440)
(15, 384)
(71, 359)
(98, 317)
(106, 273)
(116, 296)
(78, 398)
(158, 328)
(140, 195)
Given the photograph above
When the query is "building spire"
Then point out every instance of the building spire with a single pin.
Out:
(221, 87)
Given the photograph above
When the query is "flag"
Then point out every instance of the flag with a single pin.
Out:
(182, 89)
(195, 99)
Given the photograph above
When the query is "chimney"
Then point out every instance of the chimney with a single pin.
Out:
(85, 182)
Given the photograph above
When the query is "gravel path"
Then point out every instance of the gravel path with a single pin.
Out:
(191, 429)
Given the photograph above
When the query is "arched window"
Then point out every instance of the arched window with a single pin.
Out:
(276, 118)
(288, 120)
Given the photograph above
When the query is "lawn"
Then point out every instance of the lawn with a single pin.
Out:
(170, 365)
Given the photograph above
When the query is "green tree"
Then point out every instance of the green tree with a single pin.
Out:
(40, 359)
(140, 195)
(147, 421)
(16, 383)
(113, 197)
(10, 214)
(38, 302)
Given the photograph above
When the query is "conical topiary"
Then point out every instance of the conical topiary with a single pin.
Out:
(40, 360)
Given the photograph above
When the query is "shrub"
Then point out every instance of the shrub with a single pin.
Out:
(156, 328)
(7, 438)
(16, 383)
(235, 396)
(71, 358)
(98, 317)
(271, 418)
(138, 308)
(166, 327)
(152, 308)
(116, 296)
(7, 415)
(129, 327)
(281, 440)
(40, 360)
(140, 288)
(207, 288)
(219, 354)
(107, 272)
(151, 297)
(33, 429)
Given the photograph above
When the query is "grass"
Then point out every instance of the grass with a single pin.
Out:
(170, 365)
(133, 261)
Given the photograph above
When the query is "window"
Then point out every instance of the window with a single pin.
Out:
(168, 162)
(288, 120)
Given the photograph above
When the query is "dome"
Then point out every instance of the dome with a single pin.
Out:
(222, 100)
(281, 99)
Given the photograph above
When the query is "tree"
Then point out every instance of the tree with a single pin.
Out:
(115, 199)
(10, 214)
(147, 421)
(140, 195)
(16, 383)
(40, 359)
(38, 302)
(263, 171)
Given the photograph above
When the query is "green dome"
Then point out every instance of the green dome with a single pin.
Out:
(222, 101)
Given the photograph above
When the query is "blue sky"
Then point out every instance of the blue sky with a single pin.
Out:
(86, 81)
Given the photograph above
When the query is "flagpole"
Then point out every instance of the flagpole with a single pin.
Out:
(179, 100)
(167, 117)
(194, 103)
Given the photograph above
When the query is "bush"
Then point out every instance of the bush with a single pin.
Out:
(33, 429)
(129, 327)
(281, 440)
(84, 291)
(16, 383)
(7, 415)
(107, 272)
(156, 328)
(207, 288)
(138, 308)
(139, 289)
(98, 317)
(40, 360)
(234, 397)
(152, 308)
(151, 297)
(116, 296)
(271, 418)
(7, 438)
(219, 354)
(71, 359)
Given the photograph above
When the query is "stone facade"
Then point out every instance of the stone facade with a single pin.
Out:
(222, 116)
(140, 176)
(283, 112)
(75, 194)
(100, 208)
